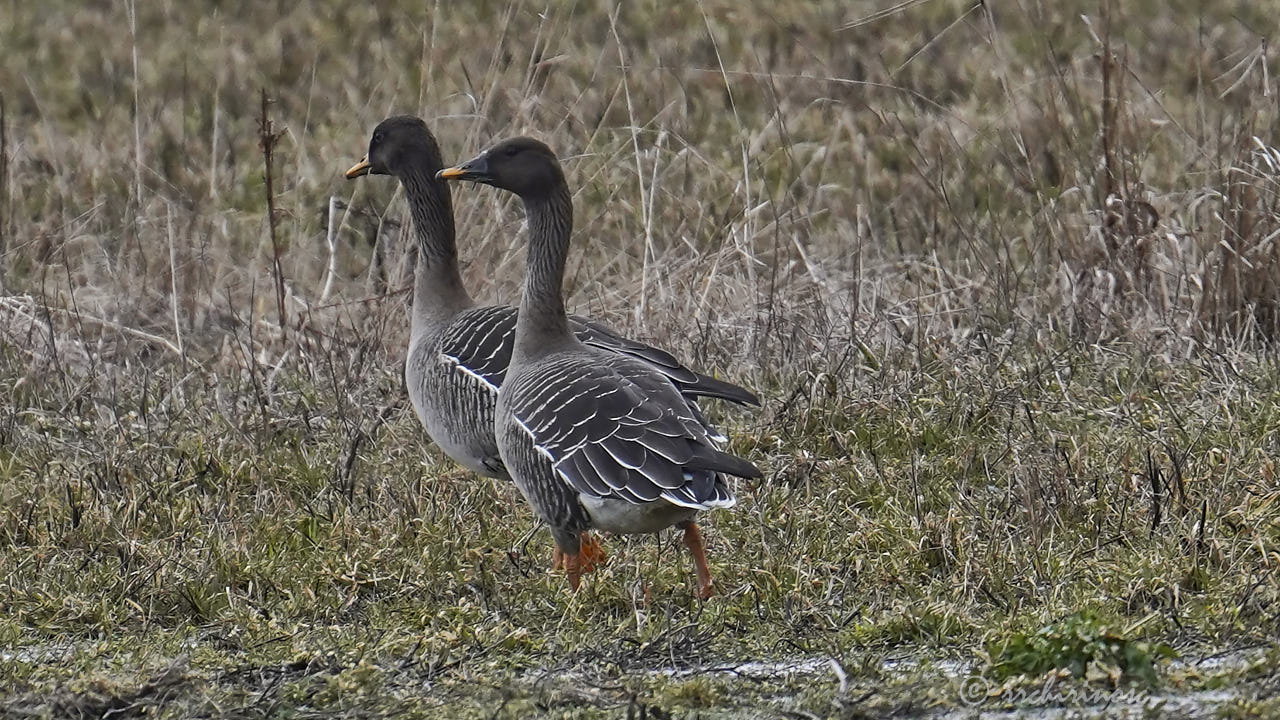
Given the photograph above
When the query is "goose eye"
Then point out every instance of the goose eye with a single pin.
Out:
(377, 137)
(511, 151)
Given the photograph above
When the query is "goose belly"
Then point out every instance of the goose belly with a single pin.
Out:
(626, 518)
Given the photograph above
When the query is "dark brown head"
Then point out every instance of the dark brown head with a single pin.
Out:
(520, 165)
(400, 144)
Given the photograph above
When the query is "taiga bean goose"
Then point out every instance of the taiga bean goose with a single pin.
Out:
(458, 351)
(592, 439)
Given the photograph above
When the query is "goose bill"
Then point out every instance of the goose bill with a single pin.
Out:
(360, 168)
(476, 170)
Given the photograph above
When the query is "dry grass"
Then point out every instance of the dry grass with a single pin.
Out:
(1006, 273)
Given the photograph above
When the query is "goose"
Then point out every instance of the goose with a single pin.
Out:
(459, 350)
(592, 439)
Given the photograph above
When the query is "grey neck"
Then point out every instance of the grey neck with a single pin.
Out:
(543, 327)
(438, 293)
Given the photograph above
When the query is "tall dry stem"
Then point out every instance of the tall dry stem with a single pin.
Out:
(267, 139)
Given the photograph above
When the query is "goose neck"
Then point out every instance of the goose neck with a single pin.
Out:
(543, 326)
(438, 292)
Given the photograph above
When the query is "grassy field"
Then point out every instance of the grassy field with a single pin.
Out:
(1006, 275)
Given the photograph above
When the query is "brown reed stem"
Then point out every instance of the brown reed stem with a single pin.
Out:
(267, 138)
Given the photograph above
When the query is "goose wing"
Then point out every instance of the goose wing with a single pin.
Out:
(613, 427)
(479, 344)
(689, 383)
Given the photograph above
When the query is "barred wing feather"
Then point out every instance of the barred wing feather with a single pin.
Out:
(619, 429)
(479, 343)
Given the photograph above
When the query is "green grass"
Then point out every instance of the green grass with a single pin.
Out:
(935, 528)
(1012, 429)
(1081, 645)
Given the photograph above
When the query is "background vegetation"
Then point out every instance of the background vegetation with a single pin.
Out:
(1006, 274)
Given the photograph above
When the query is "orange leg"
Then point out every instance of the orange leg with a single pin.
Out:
(590, 554)
(693, 540)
